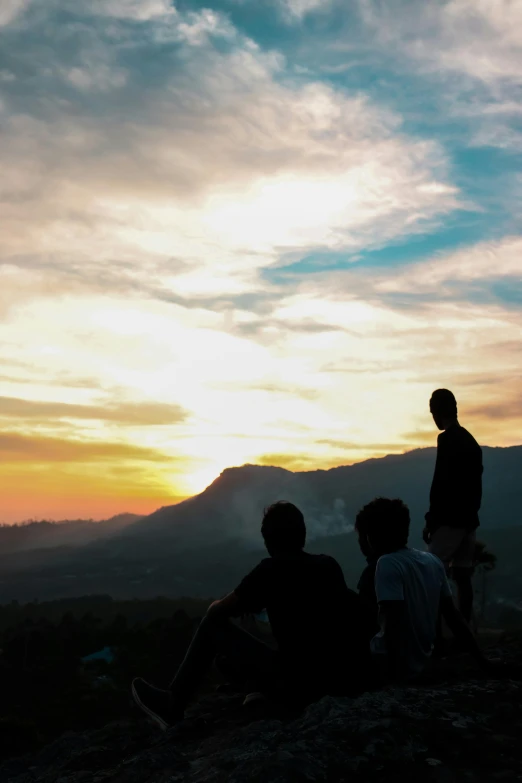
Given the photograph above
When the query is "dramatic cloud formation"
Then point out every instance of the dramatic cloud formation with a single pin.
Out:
(250, 232)
(141, 414)
(21, 448)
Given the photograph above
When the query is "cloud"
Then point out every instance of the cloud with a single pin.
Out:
(138, 10)
(214, 238)
(130, 413)
(503, 409)
(421, 437)
(298, 9)
(368, 448)
(187, 187)
(476, 37)
(16, 447)
(11, 9)
(482, 263)
(472, 48)
(482, 273)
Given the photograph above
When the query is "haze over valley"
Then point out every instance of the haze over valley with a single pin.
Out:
(203, 546)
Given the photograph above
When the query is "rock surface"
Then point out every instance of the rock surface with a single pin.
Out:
(458, 728)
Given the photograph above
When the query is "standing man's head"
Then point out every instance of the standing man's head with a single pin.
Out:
(283, 529)
(443, 407)
(385, 525)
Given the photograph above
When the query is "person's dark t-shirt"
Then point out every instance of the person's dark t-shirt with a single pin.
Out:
(316, 620)
(456, 490)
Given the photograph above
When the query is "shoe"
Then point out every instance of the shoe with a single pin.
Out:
(155, 703)
(253, 698)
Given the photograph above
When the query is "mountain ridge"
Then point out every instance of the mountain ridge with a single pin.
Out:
(46, 533)
(232, 505)
(205, 545)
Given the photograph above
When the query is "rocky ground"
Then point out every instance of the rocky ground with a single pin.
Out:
(459, 727)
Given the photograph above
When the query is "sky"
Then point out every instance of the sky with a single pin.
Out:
(250, 231)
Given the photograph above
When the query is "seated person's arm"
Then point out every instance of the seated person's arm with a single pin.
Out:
(247, 598)
(460, 629)
(389, 589)
(229, 606)
(392, 619)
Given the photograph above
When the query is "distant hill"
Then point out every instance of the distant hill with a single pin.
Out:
(69, 532)
(231, 507)
(205, 545)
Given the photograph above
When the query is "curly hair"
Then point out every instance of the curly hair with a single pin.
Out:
(385, 522)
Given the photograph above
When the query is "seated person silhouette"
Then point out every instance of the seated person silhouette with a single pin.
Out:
(315, 619)
(410, 587)
(366, 584)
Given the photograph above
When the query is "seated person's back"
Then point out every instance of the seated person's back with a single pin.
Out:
(315, 619)
(418, 579)
(411, 588)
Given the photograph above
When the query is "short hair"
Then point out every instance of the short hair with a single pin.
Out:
(443, 401)
(361, 530)
(283, 527)
(385, 522)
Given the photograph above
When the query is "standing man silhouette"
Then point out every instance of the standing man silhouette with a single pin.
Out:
(455, 497)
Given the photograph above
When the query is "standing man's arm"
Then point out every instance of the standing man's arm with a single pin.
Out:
(437, 488)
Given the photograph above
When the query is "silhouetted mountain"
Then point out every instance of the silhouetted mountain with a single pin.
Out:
(204, 546)
(231, 507)
(69, 532)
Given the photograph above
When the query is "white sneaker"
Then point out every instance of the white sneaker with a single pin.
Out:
(253, 698)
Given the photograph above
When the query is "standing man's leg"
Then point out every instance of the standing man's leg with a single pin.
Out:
(462, 573)
(462, 578)
(456, 548)
(441, 544)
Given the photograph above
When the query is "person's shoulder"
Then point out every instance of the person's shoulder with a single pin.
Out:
(457, 437)
(389, 567)
(468, 437)
(265, 565)
(420, 554)
(428, 558)
(258, 576)
(409, 555)
(391, 560)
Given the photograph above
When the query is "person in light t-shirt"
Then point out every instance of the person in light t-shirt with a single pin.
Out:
(411, 588)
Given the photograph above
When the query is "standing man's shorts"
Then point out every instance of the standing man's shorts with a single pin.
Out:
(455, 546)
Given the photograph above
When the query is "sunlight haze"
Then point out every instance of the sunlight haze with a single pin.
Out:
(256, 231)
